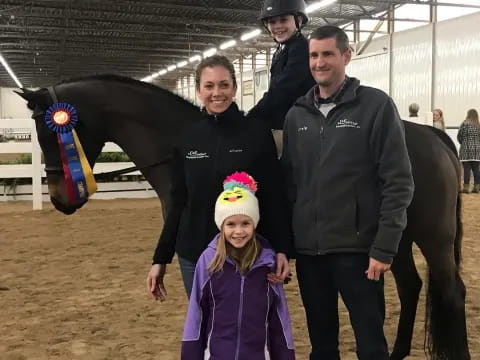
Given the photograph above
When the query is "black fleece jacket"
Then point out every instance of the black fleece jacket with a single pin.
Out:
(213, 148)
(349, 174)
(290, 78)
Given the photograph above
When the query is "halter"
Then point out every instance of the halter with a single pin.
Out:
(59, 169)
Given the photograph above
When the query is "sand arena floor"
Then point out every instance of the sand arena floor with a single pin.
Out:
(73, 287)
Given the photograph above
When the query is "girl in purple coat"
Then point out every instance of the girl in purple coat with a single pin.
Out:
(234, 311)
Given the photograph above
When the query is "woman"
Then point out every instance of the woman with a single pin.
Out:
(224, 141)
(469, 139)
(290, 71)
(438, 121)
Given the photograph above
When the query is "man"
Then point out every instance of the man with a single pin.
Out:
(413, 109)
(349, 182)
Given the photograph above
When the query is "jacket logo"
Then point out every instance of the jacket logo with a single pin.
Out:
(345, 123)
(235, 150)
(303, 128)
(194, 154)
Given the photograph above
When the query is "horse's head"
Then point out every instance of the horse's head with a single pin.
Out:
(39, 101)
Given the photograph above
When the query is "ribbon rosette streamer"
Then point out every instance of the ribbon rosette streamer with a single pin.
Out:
(80, 182)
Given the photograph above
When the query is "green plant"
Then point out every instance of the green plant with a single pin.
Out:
(113, 157)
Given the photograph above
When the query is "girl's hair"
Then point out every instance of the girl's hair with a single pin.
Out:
(472, 117)
(212, 61)
(250, 252)
(441, 120)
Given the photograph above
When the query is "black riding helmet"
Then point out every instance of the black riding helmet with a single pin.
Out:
(273, 8)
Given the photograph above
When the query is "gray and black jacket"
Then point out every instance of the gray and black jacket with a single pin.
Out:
(349, 175)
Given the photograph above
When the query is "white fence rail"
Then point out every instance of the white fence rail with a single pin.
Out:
(38, 192)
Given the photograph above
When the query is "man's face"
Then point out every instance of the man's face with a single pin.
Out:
(327, 63)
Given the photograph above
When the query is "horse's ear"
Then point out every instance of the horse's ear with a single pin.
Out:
(26, 94)
(33, 98)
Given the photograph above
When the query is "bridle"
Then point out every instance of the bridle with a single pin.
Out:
(58, 170)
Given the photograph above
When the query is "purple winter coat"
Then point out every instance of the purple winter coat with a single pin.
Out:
(235, 316)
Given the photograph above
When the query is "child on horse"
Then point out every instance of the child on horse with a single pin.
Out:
(290, 71)
(233, 308)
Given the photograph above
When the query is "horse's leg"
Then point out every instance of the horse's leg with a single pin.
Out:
(161, 180)
(409, 285)
(445, 323)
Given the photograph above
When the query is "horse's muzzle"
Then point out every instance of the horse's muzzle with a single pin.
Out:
(67, 210)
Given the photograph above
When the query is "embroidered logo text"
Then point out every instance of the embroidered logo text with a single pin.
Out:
(345, 123)
(194, 154)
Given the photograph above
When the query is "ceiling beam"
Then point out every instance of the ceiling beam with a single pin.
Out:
(413, 2)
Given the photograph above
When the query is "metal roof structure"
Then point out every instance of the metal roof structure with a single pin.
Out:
(46, 41)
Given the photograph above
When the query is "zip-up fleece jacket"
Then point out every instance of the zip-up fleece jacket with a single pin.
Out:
(212, 149)
(235, 316)
(290, 78)
(349, 175)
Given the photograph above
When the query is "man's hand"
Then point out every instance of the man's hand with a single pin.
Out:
(376, 269)
(282, 271)
(155, 285)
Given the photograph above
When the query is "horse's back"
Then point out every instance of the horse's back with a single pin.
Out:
(435, 169)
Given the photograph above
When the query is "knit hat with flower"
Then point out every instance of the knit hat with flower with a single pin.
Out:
(238, 198)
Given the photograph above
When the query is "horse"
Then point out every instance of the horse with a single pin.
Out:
(146, 121)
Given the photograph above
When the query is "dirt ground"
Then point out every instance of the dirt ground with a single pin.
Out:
(73, 287)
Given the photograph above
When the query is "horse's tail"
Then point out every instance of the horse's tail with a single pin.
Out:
(445, 322)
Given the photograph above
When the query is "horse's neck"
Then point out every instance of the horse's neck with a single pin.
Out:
(146, 125)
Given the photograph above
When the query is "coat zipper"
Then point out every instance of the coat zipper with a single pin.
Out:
(217, 149)
(323, 122)
(240, 314)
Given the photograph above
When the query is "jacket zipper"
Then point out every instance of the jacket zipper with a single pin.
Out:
(240, 313)
(217, 149)
(323, 123)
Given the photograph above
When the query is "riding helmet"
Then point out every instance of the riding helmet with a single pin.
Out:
(273, 8)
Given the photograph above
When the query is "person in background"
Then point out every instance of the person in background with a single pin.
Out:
(234, 312)
(438, 121)
(349, 183)
(469, 138)
(223, 141)
(413, 110)
(290, 77)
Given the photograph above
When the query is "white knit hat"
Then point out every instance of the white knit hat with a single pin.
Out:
(238, 198)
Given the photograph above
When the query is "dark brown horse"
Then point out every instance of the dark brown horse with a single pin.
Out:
(145, 121)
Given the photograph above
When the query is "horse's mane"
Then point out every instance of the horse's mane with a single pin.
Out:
(127, 80)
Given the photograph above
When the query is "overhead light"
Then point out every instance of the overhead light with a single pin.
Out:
(10, 72)
(209, 52)
(319, 5)
(162, 72)
(154, 76)
(228, 44)
(182, 64)
(250, 35)
(195, 58)
(171, 67)
(147, 78)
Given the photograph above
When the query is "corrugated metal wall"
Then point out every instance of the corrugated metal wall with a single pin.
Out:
(436, 66)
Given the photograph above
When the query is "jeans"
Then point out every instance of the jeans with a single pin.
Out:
(187, 268)
(321, 278)
(472, 166)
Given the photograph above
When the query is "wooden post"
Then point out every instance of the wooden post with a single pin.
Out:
(36, 170)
